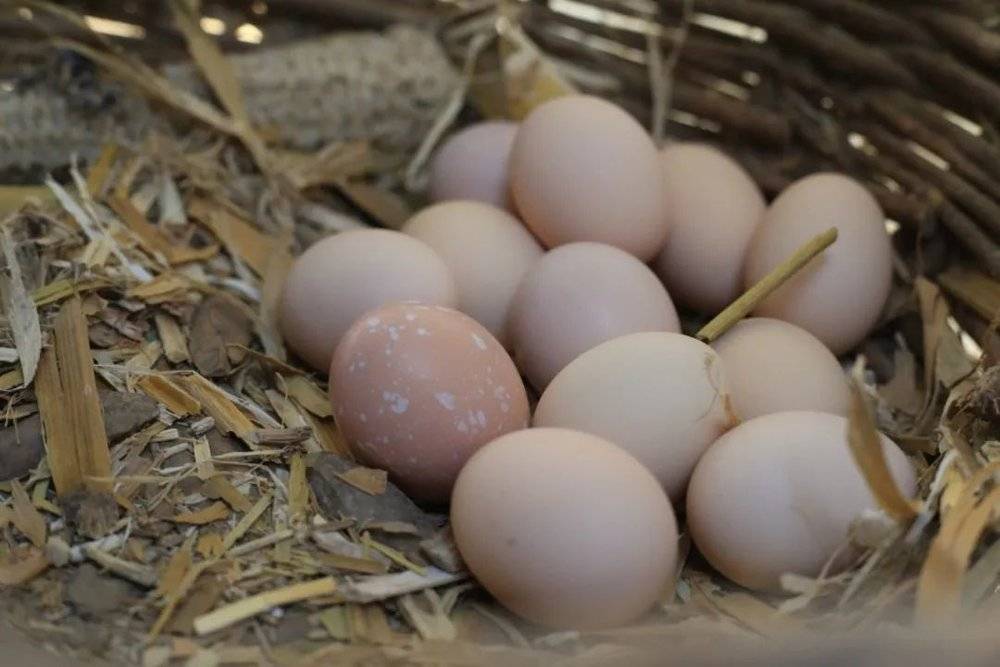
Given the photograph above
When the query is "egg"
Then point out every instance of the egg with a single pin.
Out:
(340, 277)
(660, 396)
(839, 296)
(417, 389)
(578, 296)
(565, 529)
(582, 169)
(472, 164)
(713, 207)
(487, 250)
(774, 366)
(778, 494)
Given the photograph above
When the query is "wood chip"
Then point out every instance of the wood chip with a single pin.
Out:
(204, 468)
(177, 568)
(247, 522)
(308, 395)
(76, 442)
(298, 489)
(19, 309)
(23, 567)
(135, 572)
(219, 487)
(173, 339)
(241, 238)
(369, 480)
(228, 417)
(383, 587)
(164, 390)
(214, 512)
(249, 607)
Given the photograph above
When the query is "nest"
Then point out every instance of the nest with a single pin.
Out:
(178, 492)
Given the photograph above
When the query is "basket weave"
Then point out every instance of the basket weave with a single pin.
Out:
(904, 96)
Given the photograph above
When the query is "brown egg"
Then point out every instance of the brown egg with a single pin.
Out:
(578, 296)
(659, 396)
(342, 276)
(472, 164)
(774, 366)
(582, 169)
(778, 494)
(713, 207)
(839, 296)
(417, 389)
(488, 251)
(565, 529)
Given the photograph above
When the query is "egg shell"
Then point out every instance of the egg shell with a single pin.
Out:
(713, 208)
(659, 396)
(778, 494)
(582, 169)
(839, 296)
(340, 277)
(774, 366)
(473, 164)
(417, 389)
(488, 252)
(565, 529)
(578, 296)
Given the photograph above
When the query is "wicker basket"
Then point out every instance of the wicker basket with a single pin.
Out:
(903, 95)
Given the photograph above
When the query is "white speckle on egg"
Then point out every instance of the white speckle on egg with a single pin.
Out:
(423, 332)
(462, 426)
(394, 333)
(397, 403)
(481, 417)
(446, 400)
(373, 322)
(411, 317)
(478, 340)
(504, 406)
(363, 417)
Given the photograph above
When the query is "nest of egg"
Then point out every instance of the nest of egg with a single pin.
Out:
(229, 521)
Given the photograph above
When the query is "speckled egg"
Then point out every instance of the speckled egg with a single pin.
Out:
(418, 389)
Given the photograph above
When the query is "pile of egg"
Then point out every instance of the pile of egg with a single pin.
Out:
(572, 523)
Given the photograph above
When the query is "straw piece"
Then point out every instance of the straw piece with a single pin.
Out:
(239, 236)
(234, 613)
(76, 442)
(228, 417)
(750, 299)
(247, 522)
(215, 512)
(308, 395)
(174, 342)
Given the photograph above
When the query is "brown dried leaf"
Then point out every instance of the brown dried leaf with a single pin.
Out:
(388, 208)
(218, 324)
(866, 446)
(26, 518)
(215, 512)
(161, 388)
(19, 309)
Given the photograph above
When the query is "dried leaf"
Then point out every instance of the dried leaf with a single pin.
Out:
(215, 512)
(76, 441)
(389, 209)
(20, 309)
(866, 446)
(167, 392)
(27, 519)
(218, 324)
